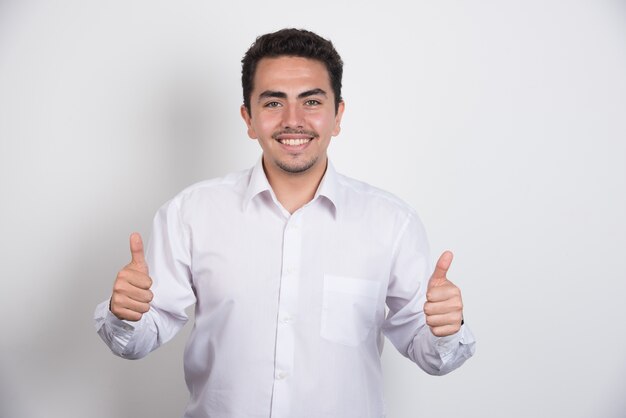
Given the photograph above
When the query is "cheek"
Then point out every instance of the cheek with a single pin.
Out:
(322, 123)
(267, 124)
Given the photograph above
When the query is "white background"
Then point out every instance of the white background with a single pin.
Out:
(502, 122)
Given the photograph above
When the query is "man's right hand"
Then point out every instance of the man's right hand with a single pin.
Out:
(131, 291)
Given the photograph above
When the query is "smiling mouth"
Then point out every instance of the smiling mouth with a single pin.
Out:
(294, 138)
(294, 142)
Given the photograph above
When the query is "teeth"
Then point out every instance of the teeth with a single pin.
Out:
(294, 142)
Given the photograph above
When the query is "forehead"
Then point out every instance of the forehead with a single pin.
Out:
(288, 72)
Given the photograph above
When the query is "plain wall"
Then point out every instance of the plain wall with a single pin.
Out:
(502, 122)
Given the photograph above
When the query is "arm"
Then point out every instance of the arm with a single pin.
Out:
(147, 307)
(406, 323)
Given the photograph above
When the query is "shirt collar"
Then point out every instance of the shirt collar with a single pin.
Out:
(258, 183)
(328, 188)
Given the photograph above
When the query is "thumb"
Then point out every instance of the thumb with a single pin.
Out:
(441, 269)
(138, 261)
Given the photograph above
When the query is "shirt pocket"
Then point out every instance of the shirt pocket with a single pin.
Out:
(348, 309)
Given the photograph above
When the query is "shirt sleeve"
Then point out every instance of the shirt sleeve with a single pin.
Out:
(169, 264)
(405, 324)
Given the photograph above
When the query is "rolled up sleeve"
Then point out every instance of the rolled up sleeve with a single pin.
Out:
(169, 264)
(405, 324)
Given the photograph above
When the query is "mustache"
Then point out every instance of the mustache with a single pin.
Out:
(313, 134)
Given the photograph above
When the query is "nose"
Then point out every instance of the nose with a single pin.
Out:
(293, 117)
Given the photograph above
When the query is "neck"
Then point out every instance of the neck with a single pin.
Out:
(294, 190)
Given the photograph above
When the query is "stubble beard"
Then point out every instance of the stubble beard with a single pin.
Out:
(296, 167)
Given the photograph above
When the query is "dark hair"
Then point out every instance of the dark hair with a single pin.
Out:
(295, 43)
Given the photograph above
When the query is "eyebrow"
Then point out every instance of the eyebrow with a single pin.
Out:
(314, 92)
(281, 95)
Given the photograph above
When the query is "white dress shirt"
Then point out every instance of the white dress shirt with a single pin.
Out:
(289, 308)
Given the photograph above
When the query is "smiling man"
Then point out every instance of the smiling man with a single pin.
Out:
(293, 115)
(297, 272)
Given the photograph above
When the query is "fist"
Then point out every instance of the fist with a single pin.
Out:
(131, 291)
(444, 306)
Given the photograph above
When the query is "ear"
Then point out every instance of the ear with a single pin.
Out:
(248, 119)
(338, 117)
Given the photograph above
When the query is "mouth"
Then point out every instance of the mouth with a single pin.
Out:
(295, 140)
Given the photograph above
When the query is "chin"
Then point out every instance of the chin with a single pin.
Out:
(297, 168)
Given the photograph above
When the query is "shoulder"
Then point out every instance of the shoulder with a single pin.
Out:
(226, 189)
(383, 215)
(364, 194)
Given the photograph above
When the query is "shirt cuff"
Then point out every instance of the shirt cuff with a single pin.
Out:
(447, 345)
(104, 315)
(116, 332)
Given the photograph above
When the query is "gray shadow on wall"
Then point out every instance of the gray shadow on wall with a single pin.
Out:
(183, 117)
(7, 395)
(186, 118)
(70, 347)
(195, 129)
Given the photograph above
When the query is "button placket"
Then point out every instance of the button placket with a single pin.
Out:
(288, 301)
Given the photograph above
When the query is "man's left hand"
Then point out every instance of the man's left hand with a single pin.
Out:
(444, 306)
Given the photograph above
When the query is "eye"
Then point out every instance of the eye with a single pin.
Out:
(272, 104)
(312, 102)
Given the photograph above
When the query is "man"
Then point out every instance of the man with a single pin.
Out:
(289, 264)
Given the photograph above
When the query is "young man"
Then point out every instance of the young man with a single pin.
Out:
(289, 264)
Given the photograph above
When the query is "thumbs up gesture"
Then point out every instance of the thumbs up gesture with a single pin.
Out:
(131, 291)
(444, 306)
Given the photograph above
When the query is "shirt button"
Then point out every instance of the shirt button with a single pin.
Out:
(281, 375)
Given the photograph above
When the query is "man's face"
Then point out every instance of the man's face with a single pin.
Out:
(292, 114)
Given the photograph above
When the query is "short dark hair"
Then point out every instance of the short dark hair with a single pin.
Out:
(295, 43)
